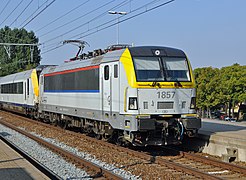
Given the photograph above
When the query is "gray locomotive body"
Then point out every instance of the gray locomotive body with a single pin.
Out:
(134, 95)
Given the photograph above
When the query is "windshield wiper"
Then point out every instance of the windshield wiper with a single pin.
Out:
(178, 84)
(156, 84)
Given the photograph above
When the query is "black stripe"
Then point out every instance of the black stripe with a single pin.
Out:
(75, 81)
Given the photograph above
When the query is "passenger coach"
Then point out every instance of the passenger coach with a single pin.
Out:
(20, 92)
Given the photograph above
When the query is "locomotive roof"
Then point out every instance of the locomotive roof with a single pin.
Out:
(151, 50)
(108, 57)
(115, 56)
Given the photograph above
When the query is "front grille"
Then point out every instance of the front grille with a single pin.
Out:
(145, 104)
(164, 105)
(183, 104)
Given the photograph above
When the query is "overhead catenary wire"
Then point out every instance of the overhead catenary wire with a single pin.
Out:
(39, 7)
(13, 37)
(70, 11)
(93, 19)
(44, 46)
(126, 19)
(12, 11)
(135, 10)
(103, 28)
(117, 6)
(22, 12)
(19, 44)
(5, 7)
(52, 49)
(71, 21)
(39, 13)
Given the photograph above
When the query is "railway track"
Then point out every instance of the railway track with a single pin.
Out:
(95, 170)
(185, 165)
(33, 161)
(208, 165)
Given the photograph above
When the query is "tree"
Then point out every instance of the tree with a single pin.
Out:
(208, 94)
(233, 86)
(20, 56)
(220, 87)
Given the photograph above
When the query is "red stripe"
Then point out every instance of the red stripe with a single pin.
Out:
(73, 70)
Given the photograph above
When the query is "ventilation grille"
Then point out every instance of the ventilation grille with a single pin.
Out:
(164, 105)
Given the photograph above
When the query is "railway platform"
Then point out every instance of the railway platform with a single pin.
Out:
(15, 167)
(223, 138)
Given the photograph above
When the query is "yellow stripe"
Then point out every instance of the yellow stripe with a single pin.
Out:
(126, 60)
(34, 78)
(191, 74)
(189, 115)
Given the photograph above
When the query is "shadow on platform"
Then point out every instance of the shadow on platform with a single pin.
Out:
(15, 174)
(214, 127)
(215, 133)
(9, 160)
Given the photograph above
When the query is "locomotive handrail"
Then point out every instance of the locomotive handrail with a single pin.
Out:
(125, 98)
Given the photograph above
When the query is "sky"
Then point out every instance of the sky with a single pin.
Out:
(210, 32)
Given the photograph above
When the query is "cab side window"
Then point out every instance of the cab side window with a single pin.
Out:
(116, 71)
(106, 72)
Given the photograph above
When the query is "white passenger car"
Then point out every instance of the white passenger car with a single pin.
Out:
(19, 92)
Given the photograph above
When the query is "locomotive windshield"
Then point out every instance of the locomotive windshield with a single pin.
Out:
(164, 69)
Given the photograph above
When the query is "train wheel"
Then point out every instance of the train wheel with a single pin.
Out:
(35, 115)
(98, 136)
(106, 137)
(53, 119)
(62, 124)
(54, 122)
(120, 141)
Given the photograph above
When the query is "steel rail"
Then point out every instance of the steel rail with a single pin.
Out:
(137, 154)
(159, 160)
(152, 159)
(210, 161)
(100, 172)
(221, 164)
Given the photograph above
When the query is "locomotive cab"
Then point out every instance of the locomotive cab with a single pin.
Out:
(159, 88)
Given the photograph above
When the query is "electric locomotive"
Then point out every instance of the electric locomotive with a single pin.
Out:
(132, 95)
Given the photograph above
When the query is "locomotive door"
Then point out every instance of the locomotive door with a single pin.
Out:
(27, 91)
(106, 89)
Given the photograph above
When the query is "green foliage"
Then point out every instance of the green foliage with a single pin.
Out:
(219, 87)
(20, 56)
(234, 83)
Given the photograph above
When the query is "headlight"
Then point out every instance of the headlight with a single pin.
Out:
(193, 103)
(133, 105)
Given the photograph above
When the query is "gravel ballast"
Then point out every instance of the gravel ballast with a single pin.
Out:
(54, 162)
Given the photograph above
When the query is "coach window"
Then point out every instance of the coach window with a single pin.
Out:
(106, 72)
(42, 80)
(116, 71)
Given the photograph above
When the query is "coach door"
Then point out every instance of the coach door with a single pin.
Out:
(28, 91)
(106, 89)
